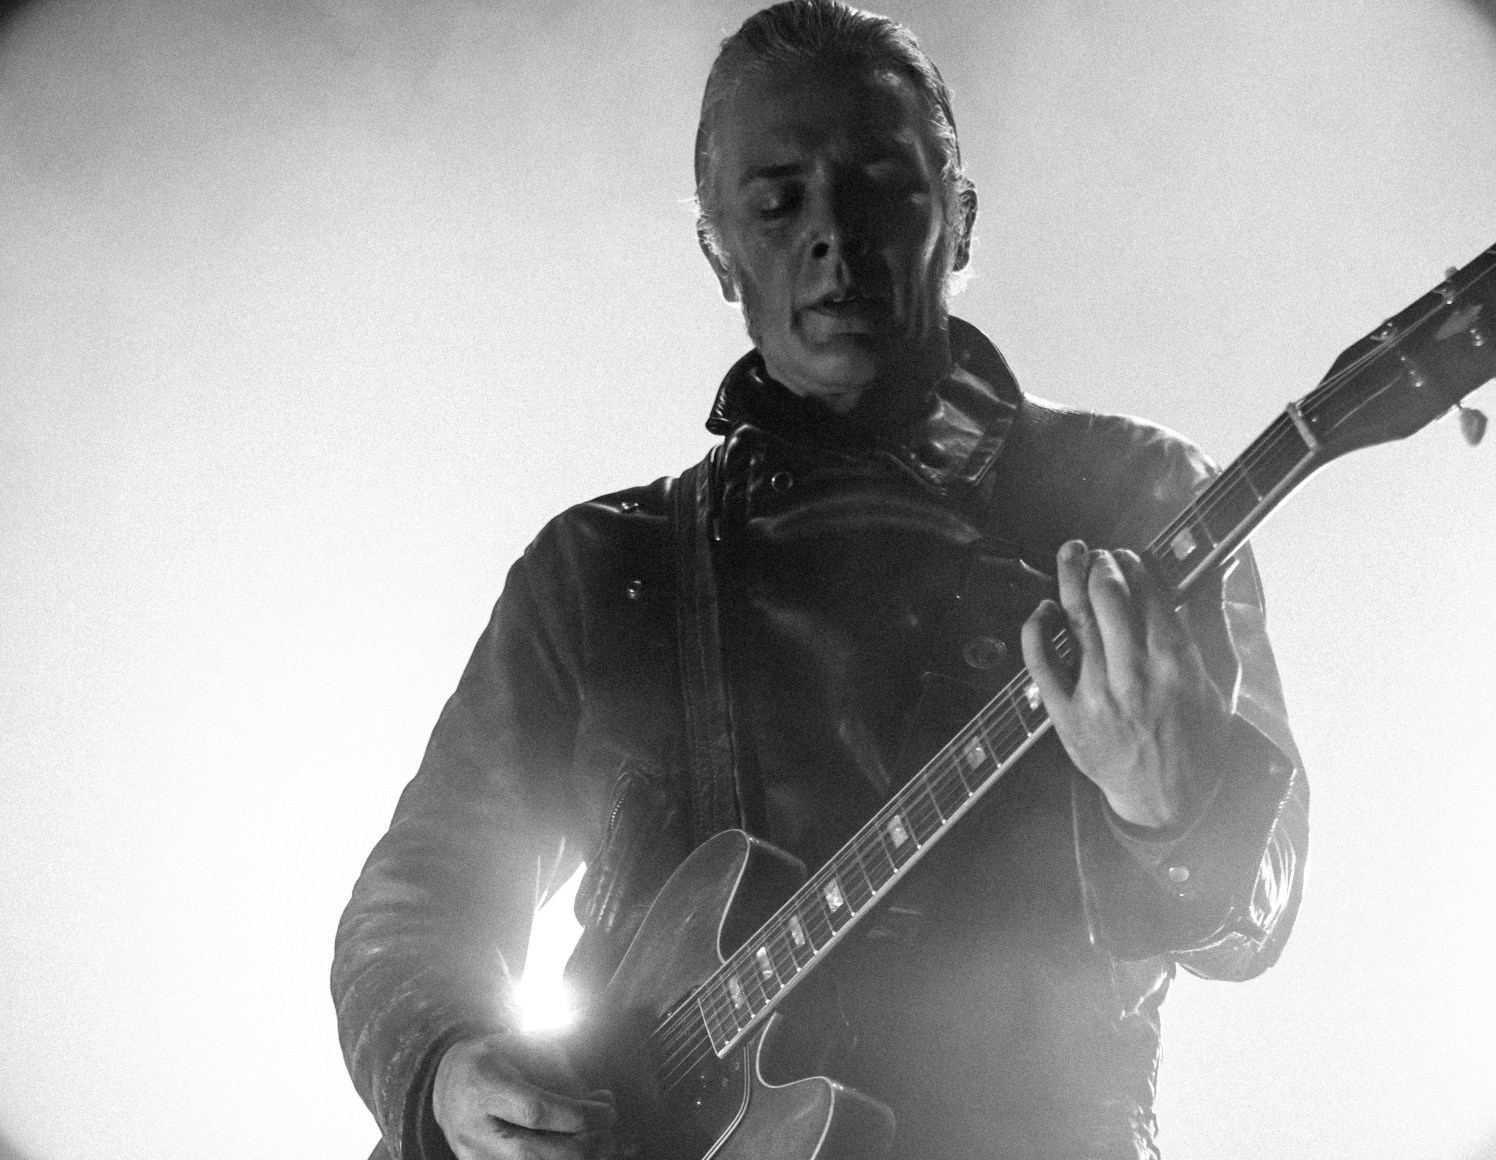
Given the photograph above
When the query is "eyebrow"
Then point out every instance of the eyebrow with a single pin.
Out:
(771, 172)
(791, 168)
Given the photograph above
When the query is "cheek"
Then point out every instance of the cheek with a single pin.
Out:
(766, 286)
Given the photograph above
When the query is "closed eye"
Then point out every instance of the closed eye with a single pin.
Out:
(779, 201)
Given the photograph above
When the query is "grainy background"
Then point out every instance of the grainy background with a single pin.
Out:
(312, 312)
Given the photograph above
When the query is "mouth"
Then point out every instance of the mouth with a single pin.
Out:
(845, 303)
(847, 312)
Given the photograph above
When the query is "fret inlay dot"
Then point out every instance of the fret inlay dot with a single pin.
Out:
(735, 989)
(765, 967)
(797, 932)
(1031, 695)
(975, 755)
(896, 831)
(1182, 544)
(833, 893)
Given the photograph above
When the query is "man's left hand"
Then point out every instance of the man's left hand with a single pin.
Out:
(1140, 717)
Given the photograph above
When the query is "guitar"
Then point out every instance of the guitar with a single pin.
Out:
(678, 1033)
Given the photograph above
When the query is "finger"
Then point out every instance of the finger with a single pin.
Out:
(1071, 567)
(1118, 622)
(1163, 631)
(526, 1105)
(1049, 673)
(501, 1141)
(516, 1141)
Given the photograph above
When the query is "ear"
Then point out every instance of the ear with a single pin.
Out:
(967, 210)
(718, 263)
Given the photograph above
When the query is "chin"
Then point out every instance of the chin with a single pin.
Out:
(844, 365)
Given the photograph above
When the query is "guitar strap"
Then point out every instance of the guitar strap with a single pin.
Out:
(715, 792)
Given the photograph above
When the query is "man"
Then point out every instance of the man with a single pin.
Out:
(880, 470)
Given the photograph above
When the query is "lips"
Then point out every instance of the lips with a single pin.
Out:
(844, 313)
(845, 303)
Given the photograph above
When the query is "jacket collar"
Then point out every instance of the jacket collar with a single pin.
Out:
(954, 438)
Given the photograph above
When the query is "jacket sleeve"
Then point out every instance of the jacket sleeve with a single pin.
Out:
(1219, 893)
(443, 905)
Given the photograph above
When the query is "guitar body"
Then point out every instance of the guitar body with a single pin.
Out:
(701, 1106)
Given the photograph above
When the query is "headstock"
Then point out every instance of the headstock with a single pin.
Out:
(1411, 369)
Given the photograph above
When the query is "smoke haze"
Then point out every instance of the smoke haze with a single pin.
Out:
(311, 313)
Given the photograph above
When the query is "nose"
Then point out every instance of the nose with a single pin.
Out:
(836, 231)
(833, 241)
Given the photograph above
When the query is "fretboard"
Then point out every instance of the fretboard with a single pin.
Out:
(739, 996)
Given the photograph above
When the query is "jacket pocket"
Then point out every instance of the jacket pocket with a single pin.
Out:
(641, 845)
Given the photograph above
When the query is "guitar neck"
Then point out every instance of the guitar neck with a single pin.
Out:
(750, 983)
(1388, 385)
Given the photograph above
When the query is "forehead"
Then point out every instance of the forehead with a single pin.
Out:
(796, 117)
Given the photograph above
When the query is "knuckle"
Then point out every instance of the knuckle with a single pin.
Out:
(533, 1111)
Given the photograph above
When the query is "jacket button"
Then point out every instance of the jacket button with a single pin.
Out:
(1179, 873)
(781, 481)
(627, 505)
(984, 652)
(635, 589)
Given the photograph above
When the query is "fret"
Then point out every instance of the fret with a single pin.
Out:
(812, 914)
(1243, 478)
(957, 768)
(854, 879)
(1302, 425)
(1226, 505)
(1275, 456)
(945, 786)
(710, 1003)
(923, 806)
(880, 855)
(876, 858)
(921, 813)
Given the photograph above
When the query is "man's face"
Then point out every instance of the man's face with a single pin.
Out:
(831, 212)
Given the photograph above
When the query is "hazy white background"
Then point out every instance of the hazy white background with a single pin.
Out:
(312, 312)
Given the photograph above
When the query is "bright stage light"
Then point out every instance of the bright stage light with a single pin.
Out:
(544, 1001)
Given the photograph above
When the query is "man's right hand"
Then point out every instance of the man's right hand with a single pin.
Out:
(511, 1096)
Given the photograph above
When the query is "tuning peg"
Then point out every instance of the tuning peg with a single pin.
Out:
(1472, 424)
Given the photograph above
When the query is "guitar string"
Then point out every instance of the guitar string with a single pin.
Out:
(689, 1030)
(906, 800)
(1271, 441)
(678, 1040)
(683, 1031)
(780, 950)
(682, 1060)
(1002, 715)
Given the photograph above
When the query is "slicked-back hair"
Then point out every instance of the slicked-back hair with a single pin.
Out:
(824, 32)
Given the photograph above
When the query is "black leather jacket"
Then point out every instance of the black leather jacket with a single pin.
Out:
(1005, 1001)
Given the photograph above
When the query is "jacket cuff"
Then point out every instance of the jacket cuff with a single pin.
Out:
(1183, 888)
(422, 1137)
(402, 1104)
